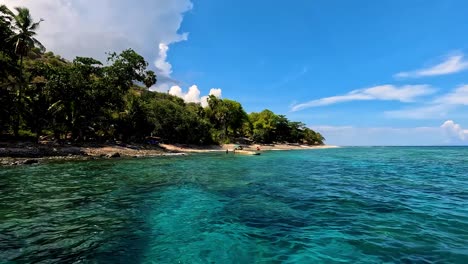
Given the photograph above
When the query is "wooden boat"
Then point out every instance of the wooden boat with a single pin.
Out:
(247, 152)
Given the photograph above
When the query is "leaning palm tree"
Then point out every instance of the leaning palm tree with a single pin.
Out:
(25, 32)
(24, 29)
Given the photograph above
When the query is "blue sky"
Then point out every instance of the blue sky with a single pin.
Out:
(360, 72)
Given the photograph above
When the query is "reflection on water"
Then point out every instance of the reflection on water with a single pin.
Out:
(366, 205)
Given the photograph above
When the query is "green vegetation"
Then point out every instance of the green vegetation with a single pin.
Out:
(85, 100)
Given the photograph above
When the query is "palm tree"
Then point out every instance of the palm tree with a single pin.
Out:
(24, 38)
(25, 29)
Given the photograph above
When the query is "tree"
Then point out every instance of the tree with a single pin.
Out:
(296, 132)
(24, 38)
(39, 104)
(283, 129)
(8, 69)
(6, 32)
(25, 32)
(126, 68)
(136, 121)
(227, 117)
(264, 126)
(84, 100)
(150, 79)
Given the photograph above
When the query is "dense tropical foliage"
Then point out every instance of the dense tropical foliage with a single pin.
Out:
(86, 100)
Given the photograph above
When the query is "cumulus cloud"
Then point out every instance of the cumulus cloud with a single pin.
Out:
(214, 91)
(449, 133)
(405, 93)
(164, 71)
(91, 28)
(164, 67)
(454, 130)
(176, 91)
(452, 64)
(193, 94)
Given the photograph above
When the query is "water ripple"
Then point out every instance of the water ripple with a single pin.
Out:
(353, 205)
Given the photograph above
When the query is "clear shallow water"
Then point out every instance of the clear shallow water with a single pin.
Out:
(356, 205)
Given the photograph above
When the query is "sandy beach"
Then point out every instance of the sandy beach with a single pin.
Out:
(24, 153)
(230, 147)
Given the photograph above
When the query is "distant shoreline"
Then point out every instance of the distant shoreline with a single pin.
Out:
(25, 153)
(252, 147)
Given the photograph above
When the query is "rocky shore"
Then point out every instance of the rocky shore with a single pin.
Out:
(27, 153)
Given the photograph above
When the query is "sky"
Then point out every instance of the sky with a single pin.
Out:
(361, 72)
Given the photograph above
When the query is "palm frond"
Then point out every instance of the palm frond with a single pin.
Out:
(25, 31)
(34, 26)
(23, 19)
(5, 10)
(38, 45)
(55, 107)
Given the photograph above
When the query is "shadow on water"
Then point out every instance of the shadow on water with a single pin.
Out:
(68, 212)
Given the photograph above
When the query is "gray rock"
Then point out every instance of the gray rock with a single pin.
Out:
(30, 161)
(114, 155)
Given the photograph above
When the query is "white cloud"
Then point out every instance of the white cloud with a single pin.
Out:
(91, 28)
(193, 94)
(164, 71)
(204, 101)
(405, 93)
(439, 107)
(452, 64)
(449, 133)
(454, 130)
(214, 91)
(435, 111)
(164, 67)
(458, 97)
(176, 91)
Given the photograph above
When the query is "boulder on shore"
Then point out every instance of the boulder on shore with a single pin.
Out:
(30, 161)
(113, 155)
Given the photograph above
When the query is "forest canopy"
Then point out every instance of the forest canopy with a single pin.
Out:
(43, 94)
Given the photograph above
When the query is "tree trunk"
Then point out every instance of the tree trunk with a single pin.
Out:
(38, 136)
(18, 100)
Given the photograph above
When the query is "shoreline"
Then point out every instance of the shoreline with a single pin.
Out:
(230, 147)
(28, 153)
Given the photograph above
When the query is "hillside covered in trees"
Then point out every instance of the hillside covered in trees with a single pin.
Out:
(87, 100)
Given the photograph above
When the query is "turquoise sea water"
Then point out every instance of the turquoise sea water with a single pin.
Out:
(346, 205)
